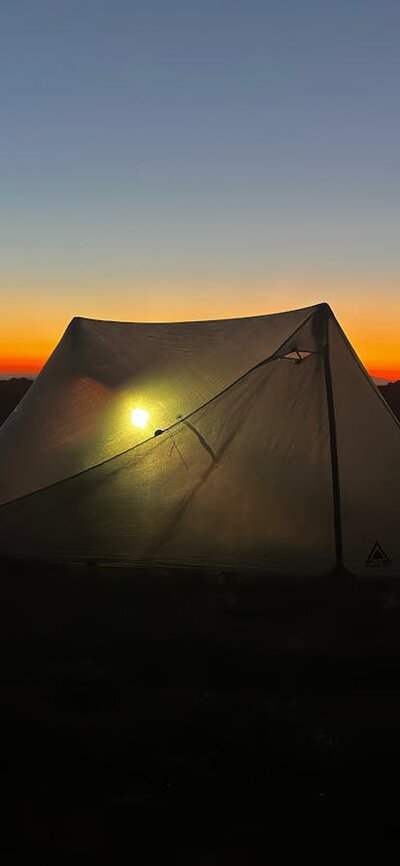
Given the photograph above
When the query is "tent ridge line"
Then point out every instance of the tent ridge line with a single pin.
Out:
(337, 509)
(273, 357)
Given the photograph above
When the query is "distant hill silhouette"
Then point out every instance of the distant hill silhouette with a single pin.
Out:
(12, 391)
(391, 393)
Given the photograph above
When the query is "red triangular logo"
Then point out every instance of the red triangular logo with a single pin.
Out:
(377, 557)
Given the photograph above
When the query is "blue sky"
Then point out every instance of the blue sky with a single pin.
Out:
(155, 155)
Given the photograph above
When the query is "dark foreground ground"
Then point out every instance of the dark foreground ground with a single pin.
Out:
(198, 720)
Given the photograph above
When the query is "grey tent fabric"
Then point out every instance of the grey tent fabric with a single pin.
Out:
(274, 450)
(78, 411)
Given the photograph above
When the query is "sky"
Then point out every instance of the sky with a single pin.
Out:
(174, 160)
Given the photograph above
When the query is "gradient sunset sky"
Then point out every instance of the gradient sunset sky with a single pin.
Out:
(185, 159)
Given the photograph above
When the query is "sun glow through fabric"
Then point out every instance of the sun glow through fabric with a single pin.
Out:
(246, 479)
(139, 418)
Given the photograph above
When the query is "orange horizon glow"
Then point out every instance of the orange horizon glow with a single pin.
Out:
(31, 365)
(390, 375)
(28, 335)
(22, 365)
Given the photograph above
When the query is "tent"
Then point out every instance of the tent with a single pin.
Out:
(253, 443)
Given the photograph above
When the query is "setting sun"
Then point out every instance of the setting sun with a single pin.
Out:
(139, 418)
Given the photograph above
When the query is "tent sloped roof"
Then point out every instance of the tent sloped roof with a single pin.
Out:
(268, 458)
(77, 411)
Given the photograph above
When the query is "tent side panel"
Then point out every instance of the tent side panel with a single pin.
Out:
(368, 439)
